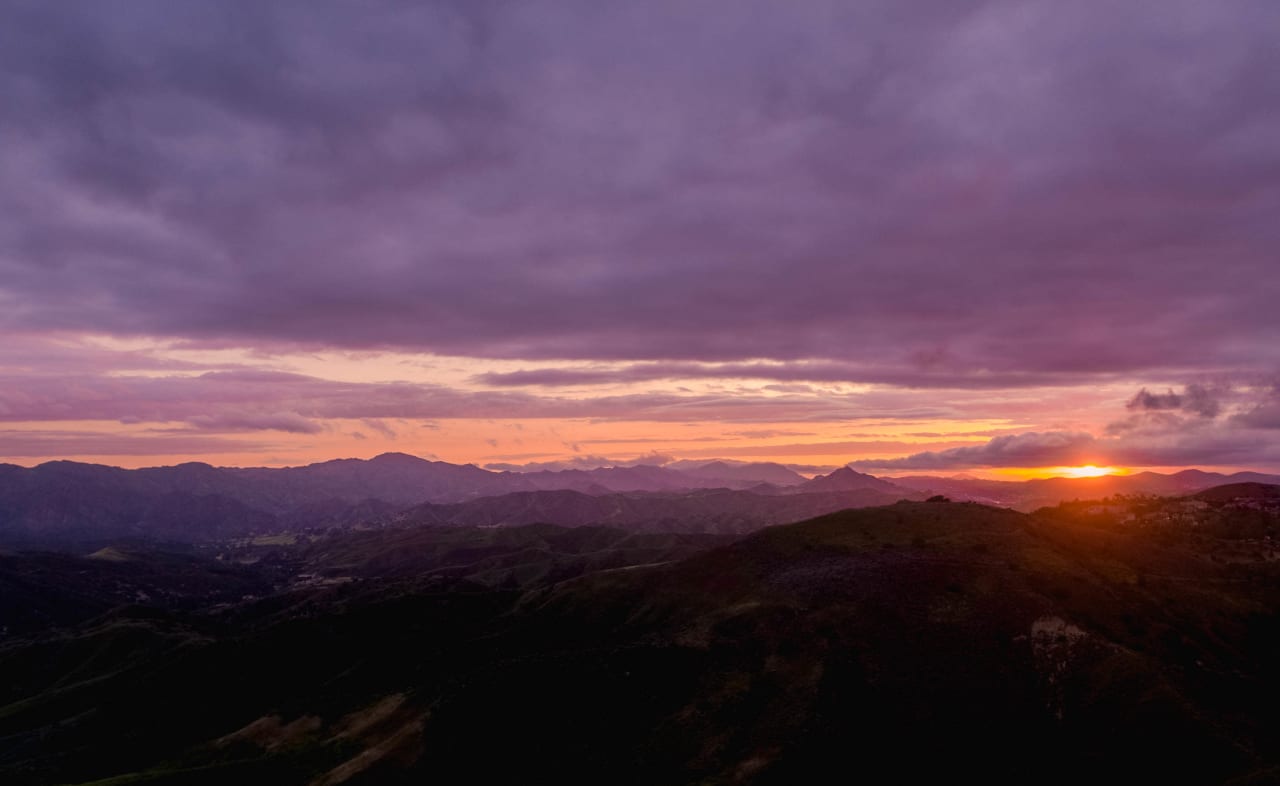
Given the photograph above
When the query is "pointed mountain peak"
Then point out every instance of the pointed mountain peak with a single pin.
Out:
(847, 474)
(847, 479)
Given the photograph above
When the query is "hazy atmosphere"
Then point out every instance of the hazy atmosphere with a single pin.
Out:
(981, 237)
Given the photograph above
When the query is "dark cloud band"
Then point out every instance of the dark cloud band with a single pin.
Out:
(956, 188)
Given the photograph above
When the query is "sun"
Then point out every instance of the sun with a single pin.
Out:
(1087, 471)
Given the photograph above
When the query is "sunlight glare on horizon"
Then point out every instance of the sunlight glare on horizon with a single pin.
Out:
(1087, 471)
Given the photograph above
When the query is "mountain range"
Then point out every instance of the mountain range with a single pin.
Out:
(397, 620)
(64, 502)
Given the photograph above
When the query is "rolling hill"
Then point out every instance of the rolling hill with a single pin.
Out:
(902, 643)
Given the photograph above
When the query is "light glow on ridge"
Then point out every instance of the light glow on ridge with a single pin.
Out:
(1087, 471)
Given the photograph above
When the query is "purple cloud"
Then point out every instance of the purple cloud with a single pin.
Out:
(1264, 413)
(379, 426)
(1153, 401)
(259, 399)
(923, 192)
(1018, 450)
(42, 444)
(1196, 398)
(290, 422)
(909, 376)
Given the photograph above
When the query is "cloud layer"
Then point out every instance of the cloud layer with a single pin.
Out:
(947, 186)
(1003, 205)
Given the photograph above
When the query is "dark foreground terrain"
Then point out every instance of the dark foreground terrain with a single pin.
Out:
(908, 643)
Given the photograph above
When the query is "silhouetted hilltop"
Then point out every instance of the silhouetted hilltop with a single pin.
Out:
(1233, 492)
(846, 479)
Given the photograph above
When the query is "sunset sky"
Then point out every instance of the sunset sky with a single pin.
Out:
(995, 238)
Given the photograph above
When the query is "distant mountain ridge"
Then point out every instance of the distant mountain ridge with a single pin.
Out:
(194, 501)
(1029, 495)
(62, 501)
(754, 472)
(393, 477)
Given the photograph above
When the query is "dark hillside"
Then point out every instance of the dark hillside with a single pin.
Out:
(905, 643)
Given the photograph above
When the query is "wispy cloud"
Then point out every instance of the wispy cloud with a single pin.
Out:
(242, 398)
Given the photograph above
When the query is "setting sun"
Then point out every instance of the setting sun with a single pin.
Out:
(1087, 471)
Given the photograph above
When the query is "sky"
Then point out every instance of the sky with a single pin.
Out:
(927, 237)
